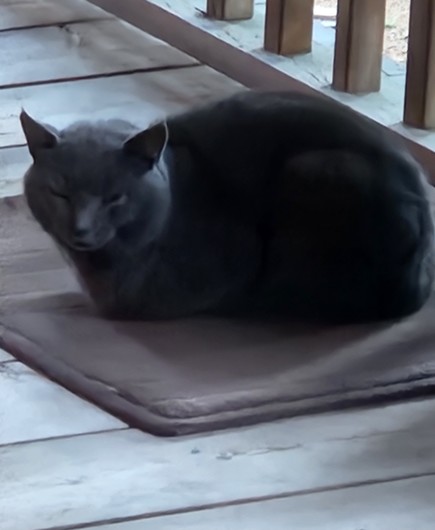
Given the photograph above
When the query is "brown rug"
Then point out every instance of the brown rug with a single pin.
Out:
(195, 375)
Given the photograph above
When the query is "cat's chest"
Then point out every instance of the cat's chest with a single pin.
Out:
(207, 243)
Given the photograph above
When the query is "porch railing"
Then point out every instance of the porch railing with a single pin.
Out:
(360, 27)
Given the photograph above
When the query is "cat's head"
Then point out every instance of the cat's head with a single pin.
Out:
(90, 181)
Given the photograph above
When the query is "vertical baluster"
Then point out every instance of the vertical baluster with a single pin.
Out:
(230, 9)
(289, 26)
(359, 45)
(420, 71)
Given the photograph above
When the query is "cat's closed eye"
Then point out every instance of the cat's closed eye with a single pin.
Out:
(58, 193)
(117, 199)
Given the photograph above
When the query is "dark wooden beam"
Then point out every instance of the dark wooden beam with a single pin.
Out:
(289, 26)
(359, 45)
(420, 72)
(230, 9)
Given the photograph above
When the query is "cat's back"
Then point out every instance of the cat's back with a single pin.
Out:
(268, 123)
(243, 143)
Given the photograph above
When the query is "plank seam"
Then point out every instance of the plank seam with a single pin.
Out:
(118, 73)
(12, 146)
(60, 24)
(238, 502)
(62, 436)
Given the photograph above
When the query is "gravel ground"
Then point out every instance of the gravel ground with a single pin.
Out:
(396, 29)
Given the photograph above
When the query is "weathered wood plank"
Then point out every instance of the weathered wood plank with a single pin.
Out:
(289, 26)
(126, 473)
(15, 14)
(230, 9)
(31, 407)
(81, 50)
(420, 75)
(14, 163)
(4, 356)
(403, 504)
(140, 98)
(359, 45)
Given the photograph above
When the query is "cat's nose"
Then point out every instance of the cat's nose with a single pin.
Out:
(82, 236)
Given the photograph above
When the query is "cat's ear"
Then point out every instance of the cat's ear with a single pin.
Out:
(148, 144)
(38, 136)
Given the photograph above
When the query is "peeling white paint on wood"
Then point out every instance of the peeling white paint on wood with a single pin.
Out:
(4, 356)
(25, 13)
(127, 473)
(140, 98)
(400, 505)
(14, 162)
(31, 407)
(80, 50)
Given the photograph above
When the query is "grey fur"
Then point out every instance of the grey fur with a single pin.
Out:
(258, 204)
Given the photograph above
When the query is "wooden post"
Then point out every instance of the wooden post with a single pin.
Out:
(289, 26)
(230, 9)
(420, 71)
(358, 45)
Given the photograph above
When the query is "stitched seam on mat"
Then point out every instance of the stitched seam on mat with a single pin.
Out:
(344, 396)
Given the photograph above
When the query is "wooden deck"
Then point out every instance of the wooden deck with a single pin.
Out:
(66, 464)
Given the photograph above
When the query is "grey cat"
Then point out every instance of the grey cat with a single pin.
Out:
(263, 203)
